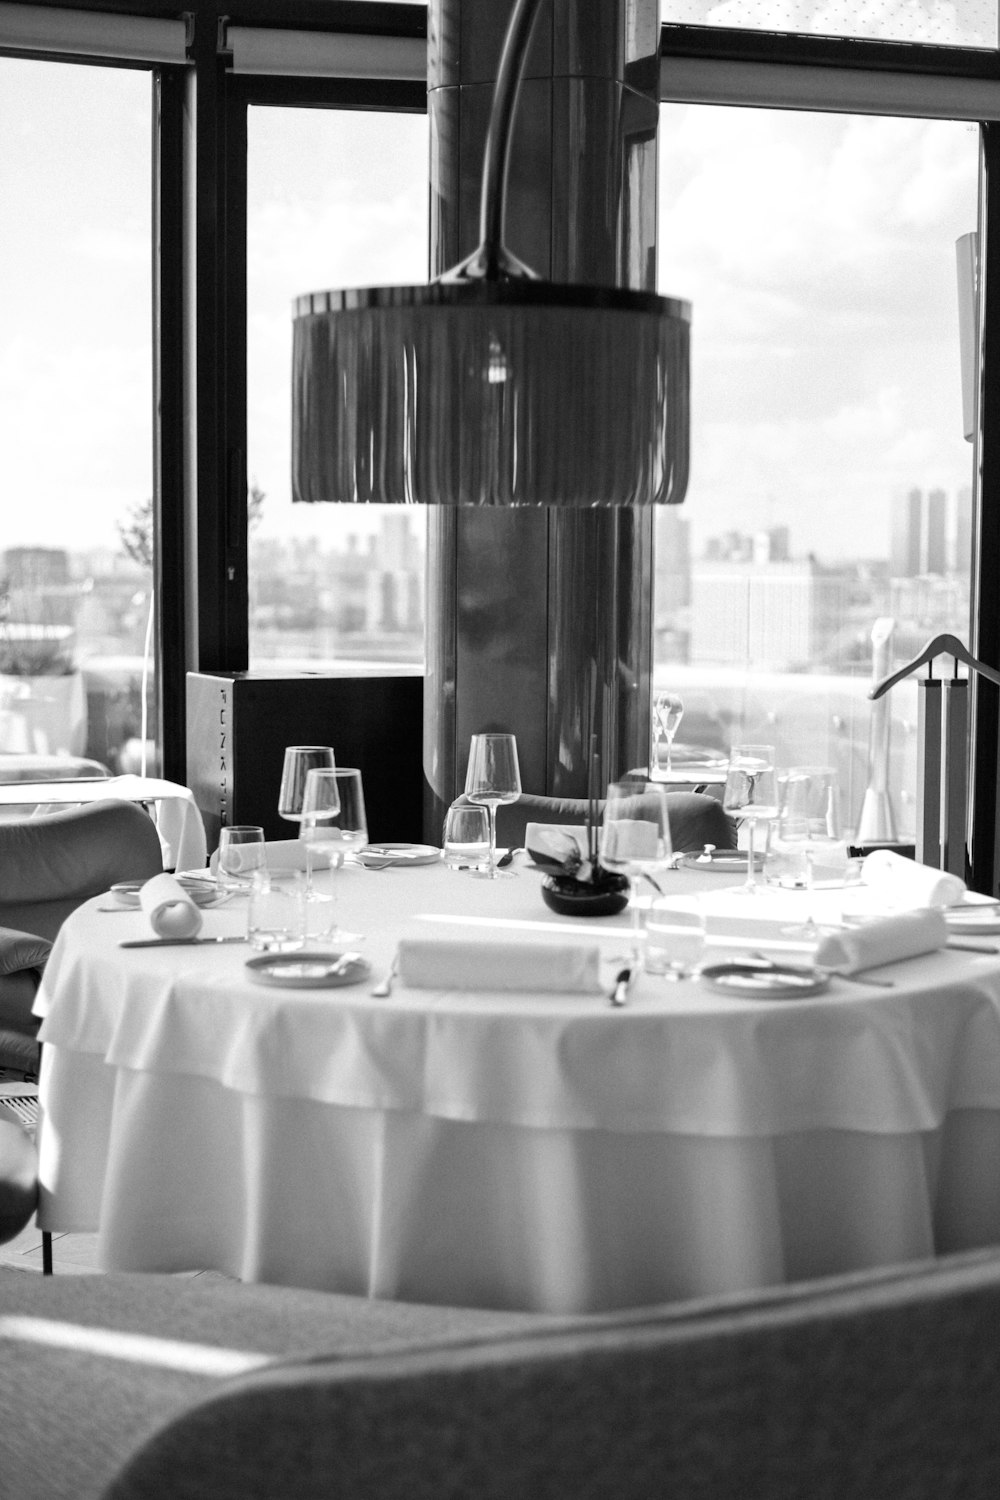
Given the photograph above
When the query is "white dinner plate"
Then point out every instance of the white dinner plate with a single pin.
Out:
(201, 892)
(307, 971)
(755, 982)
(721, 862)
(403, 854)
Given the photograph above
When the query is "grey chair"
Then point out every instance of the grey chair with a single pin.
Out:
(858, 1387)
(48, 867)
(696, 819)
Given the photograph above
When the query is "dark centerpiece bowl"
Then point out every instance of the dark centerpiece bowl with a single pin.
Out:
(603, 894)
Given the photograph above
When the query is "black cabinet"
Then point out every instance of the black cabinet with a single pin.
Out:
(238, 724)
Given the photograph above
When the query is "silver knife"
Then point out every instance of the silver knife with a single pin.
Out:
(188, 942)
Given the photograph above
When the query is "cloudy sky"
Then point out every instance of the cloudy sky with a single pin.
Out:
(818, 253)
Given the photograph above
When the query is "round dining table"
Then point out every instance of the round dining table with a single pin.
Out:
(509, 1148)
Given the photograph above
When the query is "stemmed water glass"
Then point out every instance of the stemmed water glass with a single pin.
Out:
(492, 778)
(809, 823)
(751, 794)
(668, 711)
(333, 822)
(635, 841)
(299, 761)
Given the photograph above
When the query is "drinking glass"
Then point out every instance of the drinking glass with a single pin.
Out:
(276, 918)
(493, 777)
(635, 840)
(299, 761)
(809, 825)
(675, 938)
(241, 852)
(333, 822)
(668, 711)
(466, 837)
(751, 794)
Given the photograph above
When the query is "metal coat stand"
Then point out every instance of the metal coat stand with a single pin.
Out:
(942, 752)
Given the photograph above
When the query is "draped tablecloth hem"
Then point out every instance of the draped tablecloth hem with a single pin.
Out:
(713, 1119)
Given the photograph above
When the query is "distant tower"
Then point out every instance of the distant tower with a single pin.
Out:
(904, 550)
(933, 532)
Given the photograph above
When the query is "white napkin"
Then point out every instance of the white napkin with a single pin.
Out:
(498, 964)
(630, 838)
(555, 842)
(909, 885)
(279, 854)
(170, 910)
(883, 941)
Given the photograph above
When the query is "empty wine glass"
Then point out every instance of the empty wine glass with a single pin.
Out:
(635, 841)
(333, 822)
(318, 806)
(668, 711)
(751, 794)
(809, 825)
(299, 761)
(492, 778)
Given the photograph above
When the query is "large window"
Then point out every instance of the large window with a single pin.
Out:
(335, 198)
(826, 534)
(76, 411)
(942, 23)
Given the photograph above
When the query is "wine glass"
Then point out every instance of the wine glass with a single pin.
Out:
(493, 777)
(751, 793)
(299, 761)
(635, 840)
(318, 806)
(809, 824)
(333, 821)
(668, 711)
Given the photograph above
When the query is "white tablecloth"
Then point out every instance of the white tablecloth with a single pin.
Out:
(178, 817)
(509, 1150)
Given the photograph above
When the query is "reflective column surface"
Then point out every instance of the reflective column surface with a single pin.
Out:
(539, 621)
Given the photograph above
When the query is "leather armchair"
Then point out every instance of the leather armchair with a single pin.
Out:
(696, 819)
(48, 867)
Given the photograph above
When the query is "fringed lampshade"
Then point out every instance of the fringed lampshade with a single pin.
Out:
(491, 386)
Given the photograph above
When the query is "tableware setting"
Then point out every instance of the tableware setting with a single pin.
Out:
(276, 915)
(635, 841)
(309, 971)
(668, 711)
(493, 778)
(333, 825)
(751, 795)
(169, 909)
(202, 891)
(241, 851)
(808, 834)
(466, 837)
(385, 856)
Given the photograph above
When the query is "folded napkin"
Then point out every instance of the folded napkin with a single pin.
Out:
(279, 854)
(883, 941)
(170, 910)
(909, 885)
(553, 846)
(497, 964)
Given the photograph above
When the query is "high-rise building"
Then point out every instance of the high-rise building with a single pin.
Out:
(904, 545)
(933, 531)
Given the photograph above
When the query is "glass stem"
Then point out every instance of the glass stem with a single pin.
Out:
(751, 884)
(636, 916)
(309, 871)
(492, 809)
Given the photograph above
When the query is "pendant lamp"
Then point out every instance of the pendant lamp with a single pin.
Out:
(490, 385)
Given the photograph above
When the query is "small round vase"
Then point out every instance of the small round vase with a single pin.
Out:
(604, 896)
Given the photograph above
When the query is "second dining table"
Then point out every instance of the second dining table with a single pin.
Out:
(518, 1149)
